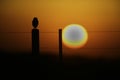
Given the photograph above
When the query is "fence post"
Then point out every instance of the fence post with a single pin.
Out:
(60, 45)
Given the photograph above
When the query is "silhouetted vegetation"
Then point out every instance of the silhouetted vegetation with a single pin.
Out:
(72, 67)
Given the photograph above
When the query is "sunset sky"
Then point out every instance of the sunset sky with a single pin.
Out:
(101, 18)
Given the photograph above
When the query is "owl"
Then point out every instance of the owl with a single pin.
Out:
(35, 22)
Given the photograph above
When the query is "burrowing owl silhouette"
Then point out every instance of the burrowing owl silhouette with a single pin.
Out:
(35, 22)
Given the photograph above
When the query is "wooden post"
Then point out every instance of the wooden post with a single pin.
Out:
(35, 42)
(60, 45)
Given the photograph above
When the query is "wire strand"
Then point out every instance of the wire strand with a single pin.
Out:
(57, 32)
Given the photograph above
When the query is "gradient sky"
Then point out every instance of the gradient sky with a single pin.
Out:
(101, 18)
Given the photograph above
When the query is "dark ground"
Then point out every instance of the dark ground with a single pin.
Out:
(49, 67)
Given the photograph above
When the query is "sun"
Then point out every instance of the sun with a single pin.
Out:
(74, 36)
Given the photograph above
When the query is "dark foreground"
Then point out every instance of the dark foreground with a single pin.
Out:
(49, 67)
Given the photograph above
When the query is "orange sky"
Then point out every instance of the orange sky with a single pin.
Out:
(94, 15)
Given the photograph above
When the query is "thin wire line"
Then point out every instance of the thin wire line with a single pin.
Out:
(103, 31)
(48, 32)
(56, 32)
(84, 48)
(14, 32)
(25, 32)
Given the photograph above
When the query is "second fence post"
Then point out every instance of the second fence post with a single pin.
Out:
(60, 45)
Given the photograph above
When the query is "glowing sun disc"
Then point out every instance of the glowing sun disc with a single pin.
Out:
(74, 36)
